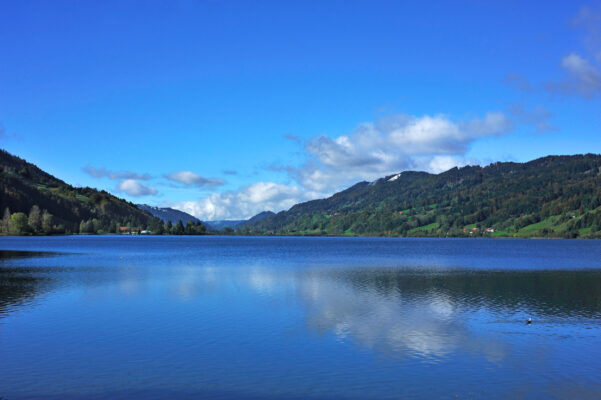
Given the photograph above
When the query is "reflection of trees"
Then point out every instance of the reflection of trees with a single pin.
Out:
(553, 293)
(19, 285)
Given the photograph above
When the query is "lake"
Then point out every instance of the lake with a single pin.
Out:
(143, 317)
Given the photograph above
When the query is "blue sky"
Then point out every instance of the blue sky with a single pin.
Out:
(224, 109)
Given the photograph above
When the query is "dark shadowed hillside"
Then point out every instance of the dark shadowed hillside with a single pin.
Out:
(62, 207)
(555, 196)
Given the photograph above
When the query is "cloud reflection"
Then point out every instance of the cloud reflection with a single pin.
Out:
(427, 325)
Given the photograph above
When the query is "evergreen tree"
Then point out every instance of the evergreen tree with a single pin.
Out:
(179, 228)
(155, 226)
(199, 228)
(190, 227)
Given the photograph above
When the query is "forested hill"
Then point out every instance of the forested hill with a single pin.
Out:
(168, 214)
(58, 207)
(555, 196)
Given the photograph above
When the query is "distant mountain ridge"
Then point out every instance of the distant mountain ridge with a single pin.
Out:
(168, 214)
(220, 225)
(554, 196)
(173, 215)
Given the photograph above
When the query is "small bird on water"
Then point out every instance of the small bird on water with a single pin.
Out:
(529, 321)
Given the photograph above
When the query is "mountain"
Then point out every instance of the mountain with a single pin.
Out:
(219, 225)
(554, 196)
(60, 206)
(168, 214)
(260, 217)
(236, 224)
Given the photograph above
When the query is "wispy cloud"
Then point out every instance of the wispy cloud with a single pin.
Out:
(293, 138)
(539, 117)
(519, 82)
(6, 135)
(582, 78)
(582, 72)
(230, 172)
(588, 19)
(105, 173)
(136, 189)
(190, 178)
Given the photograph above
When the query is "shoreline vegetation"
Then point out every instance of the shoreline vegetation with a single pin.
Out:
(200, 230)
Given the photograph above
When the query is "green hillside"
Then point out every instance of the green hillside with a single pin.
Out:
(41, 203)
(555, 196)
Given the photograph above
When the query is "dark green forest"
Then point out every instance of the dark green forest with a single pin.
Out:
(554, 196)
(34, 202)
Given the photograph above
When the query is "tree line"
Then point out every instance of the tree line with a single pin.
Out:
(41, 222)
(38, 222)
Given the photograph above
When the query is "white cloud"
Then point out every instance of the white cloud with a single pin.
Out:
(399, 143)
(193, 179)
(134, 188)
(246, 202)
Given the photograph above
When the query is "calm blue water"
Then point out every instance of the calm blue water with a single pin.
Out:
(298, 318)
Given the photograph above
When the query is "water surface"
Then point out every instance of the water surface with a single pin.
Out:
(103, 317)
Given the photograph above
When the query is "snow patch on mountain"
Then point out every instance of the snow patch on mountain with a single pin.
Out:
(394, 178)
